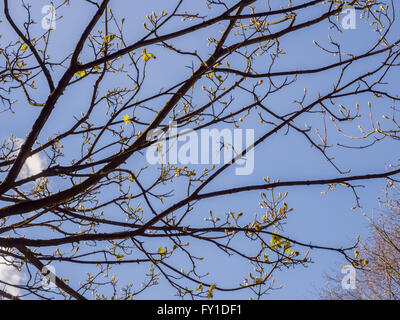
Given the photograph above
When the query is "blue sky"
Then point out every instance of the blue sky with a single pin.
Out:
(323, 219)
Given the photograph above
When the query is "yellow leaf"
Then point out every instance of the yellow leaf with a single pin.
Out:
(108, 38)
(147, 56)
(126, 119)
(162, 251)
(80, 73)
(24, 47)
(210, 291)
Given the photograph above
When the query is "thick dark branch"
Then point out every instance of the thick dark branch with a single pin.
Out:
(144, 43)
(86, 33)
(30, 257)
(341, 180)
(47, 109)
(7, 295)
(14, 242)
(305, 71)
(31, 46)
(283, 32)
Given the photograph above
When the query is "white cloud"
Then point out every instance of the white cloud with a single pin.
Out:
(33, 165)
(9, 275)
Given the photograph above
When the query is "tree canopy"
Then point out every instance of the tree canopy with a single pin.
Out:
(97, 94)
(379, 279)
